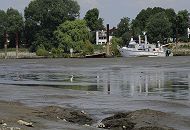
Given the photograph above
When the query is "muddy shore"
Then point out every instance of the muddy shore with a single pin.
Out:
(42, 118)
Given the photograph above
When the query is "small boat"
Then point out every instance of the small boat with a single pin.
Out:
(140, 49)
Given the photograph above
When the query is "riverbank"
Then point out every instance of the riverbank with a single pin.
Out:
(21, 55)
(17, 116)
(181, 49)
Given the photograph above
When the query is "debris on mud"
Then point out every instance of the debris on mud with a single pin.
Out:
(69, 115)
(144, 119)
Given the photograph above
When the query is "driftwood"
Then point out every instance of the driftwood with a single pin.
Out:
(21, 122)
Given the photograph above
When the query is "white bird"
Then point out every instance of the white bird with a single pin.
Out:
(71, 79)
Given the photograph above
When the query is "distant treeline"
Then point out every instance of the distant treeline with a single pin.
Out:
(53, 27)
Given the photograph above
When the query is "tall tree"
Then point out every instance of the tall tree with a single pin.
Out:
(15, 25)
(123, 30)
(123, 26)
(158, 27)
(182, 24)
(3, 26)
(11, 23)
(140, 22)
(93, 21)
(73, 34)
(172, 18)
(43, 17)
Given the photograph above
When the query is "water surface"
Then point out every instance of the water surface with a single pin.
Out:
(99, 86)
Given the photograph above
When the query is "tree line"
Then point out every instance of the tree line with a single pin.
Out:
(163, 25)
(53, 26)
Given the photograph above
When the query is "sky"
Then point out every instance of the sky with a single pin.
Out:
(110, 10)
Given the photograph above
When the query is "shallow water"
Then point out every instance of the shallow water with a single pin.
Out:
(99, 86)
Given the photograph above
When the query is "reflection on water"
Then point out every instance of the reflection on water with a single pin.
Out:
(112, 79)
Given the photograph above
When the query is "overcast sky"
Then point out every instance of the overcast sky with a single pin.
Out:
(111, 10)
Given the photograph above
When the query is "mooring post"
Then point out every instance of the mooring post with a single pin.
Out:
(16, 44)
(5, 44)
(108, 41)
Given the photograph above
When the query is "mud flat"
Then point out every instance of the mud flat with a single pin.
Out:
(145, 119)
(15, 116)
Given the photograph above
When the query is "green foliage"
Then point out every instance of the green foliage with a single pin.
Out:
(123, 27)
(184, 39)
(185, 46)
(55, 53)
(142, 18)
(41, 51)
(126, 37)
(3, 25)
(73, 34)
(3, 21)
(123, 30)
(15, 24)
(116, 42)
(14, 20)
(88, 48)
(158, 27)
(11, 22)
(140, 23)
(182, 23)
(43, 17)
(40, 41)
(172, 18)
(98, 48)
(14, 49)
(93, 21)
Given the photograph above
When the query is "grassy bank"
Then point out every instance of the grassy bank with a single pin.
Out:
(181, 49)
(22, 53)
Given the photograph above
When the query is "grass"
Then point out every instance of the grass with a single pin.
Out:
(14, 49)
(182, 49)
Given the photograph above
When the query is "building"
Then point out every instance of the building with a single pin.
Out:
(101, 37)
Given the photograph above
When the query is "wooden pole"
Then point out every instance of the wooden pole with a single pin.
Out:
(177, 20)
(108, 41)
(5, 44)
(16, 44)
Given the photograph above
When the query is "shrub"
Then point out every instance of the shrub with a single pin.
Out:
(41, 51)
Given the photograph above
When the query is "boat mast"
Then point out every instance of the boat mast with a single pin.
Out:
(146, 41)
(139, 39)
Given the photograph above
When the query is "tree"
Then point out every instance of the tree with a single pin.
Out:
(172, 18)
(93, 21)
(115, 43)
(3, 26)
(158, 27)
(15, 25)
(43, 17)
(123, 30)
(140, 22)
(11, 23)
(73, 34)
(182, 24)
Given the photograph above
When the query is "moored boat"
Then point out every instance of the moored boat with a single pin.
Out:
(144, 49)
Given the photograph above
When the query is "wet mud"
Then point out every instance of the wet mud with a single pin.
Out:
(145, 119)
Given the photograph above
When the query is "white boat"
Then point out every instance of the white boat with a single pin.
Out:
(138, 49)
